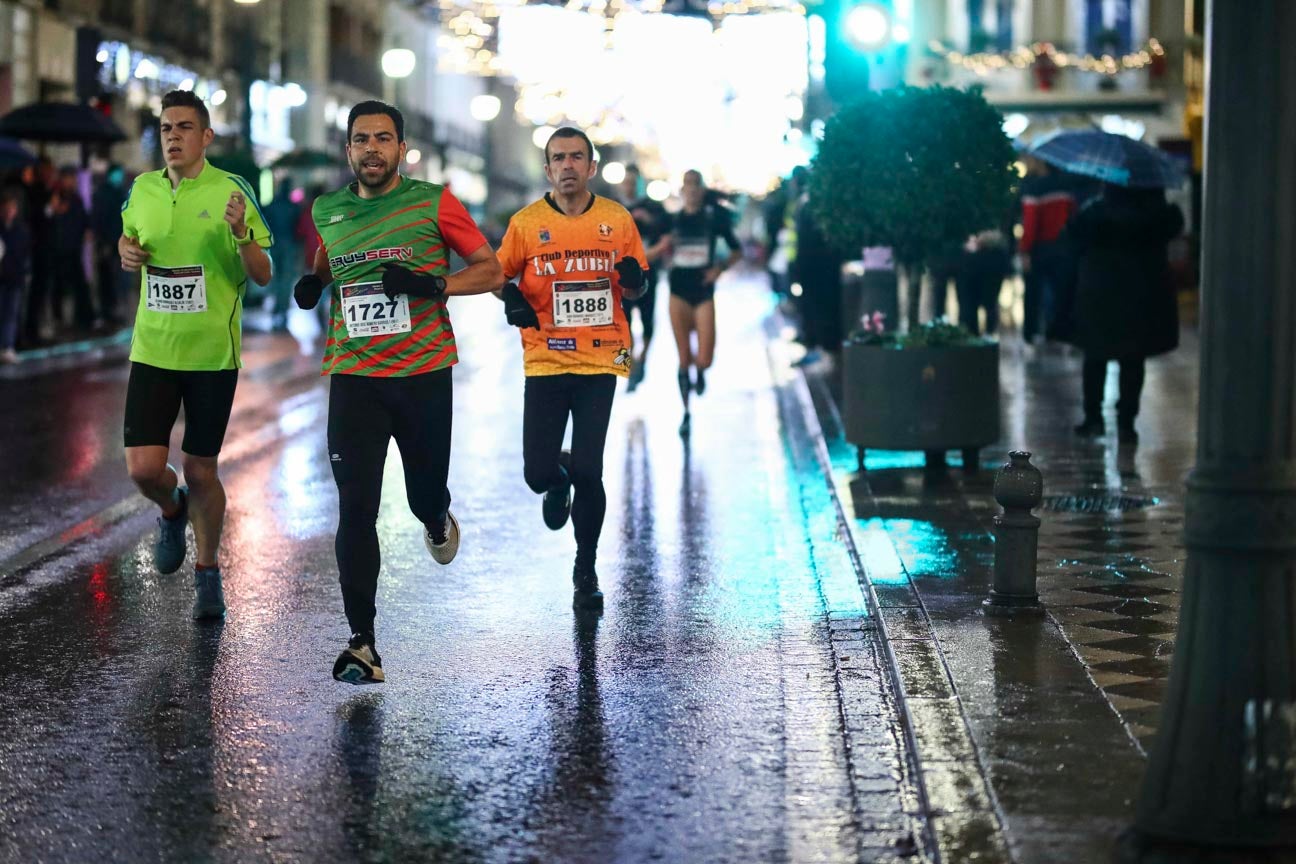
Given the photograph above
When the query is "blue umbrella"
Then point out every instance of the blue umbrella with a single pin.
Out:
(1114, 159)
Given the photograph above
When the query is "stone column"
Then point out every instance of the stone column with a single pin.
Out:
(1223, 766)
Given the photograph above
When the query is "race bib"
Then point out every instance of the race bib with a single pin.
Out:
(582, 304)
(692, 254)
(175, 289)
(366, 311)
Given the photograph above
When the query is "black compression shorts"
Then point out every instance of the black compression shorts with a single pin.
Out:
(153, 400)
(689, 286)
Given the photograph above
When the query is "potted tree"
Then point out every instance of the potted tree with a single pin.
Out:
(919, 170)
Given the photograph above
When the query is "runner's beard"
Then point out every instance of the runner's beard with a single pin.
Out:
(383, 180)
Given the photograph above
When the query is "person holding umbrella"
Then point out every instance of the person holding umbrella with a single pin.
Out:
(1125, 306)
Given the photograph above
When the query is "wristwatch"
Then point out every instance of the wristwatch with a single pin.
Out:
(242, 241)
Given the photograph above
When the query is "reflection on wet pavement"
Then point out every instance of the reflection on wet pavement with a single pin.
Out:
(1060, 715)
(728, 706)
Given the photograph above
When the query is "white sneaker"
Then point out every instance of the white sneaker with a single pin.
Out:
(444, 553)
(8, 356)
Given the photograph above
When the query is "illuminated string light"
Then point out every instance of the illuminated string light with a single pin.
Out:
(1024, 56)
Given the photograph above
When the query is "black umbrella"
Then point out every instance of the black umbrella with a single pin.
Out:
(307, 159)
(14, 155)
(60, 122)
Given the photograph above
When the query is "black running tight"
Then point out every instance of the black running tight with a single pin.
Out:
(548, 402)
(364, 415)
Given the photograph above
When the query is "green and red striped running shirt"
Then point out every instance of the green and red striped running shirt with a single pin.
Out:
(416, 225)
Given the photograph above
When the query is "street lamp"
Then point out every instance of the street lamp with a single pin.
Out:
(484, 107)
(398, 62)
(868, 26)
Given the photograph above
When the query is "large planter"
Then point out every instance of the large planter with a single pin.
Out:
(930, 399)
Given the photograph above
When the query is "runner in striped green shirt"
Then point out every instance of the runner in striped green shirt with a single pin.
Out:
(385, 245)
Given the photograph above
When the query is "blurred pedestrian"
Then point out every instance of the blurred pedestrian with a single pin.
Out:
(106, 224)
(779, 215)
(654, 224)
(1126, 308)
(15, 270)
(817, 269)
(986, 263)
(1048, 200)
(282, 217)
(38, 186)
(69, 228)
(309, 242)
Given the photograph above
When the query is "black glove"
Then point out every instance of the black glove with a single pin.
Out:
(307, 291)
(517, 310)
(630, 273)
(398, 280)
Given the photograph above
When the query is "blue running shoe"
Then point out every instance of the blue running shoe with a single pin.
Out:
(169, 547)
(209, 596)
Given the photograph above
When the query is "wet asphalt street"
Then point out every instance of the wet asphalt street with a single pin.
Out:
(727, 706)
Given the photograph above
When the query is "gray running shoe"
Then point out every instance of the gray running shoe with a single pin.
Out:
(209, 596)
(169, 547)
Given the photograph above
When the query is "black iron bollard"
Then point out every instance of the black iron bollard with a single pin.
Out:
(1019, 488)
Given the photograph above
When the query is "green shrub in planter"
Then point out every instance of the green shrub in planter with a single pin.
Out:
(916, 169)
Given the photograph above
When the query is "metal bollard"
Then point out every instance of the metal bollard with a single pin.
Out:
(1019, 488)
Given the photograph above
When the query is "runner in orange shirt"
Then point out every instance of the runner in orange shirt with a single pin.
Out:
(575, 255)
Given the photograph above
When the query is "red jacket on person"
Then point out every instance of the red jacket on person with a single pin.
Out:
(1047, 204)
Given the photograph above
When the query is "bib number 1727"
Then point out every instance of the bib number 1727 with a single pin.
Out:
(366, 311)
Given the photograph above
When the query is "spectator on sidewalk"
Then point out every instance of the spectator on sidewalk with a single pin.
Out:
(106, 223)
(986, 263)
(1126, 308)
(38, 186)
(309, 240)
(817, 267)
(15, 271)
(779, 215)
(282, 215)
(69, 228)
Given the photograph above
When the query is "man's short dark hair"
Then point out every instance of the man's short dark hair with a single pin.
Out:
(570, 132)
(188, 99)
(373, 106)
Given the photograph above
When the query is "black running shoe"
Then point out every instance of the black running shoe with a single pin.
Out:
(1091, 428)
(558, 500)
(359, 662)
(586, 593)
(699, 385)
(685, 426)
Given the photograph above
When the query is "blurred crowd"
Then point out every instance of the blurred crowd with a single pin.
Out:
(60, 272)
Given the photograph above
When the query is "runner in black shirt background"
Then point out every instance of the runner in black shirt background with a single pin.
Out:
(653, 223)
(693, 274)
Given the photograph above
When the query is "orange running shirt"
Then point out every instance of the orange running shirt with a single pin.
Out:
(565, 268)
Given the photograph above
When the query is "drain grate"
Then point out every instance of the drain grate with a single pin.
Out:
(1096, 503)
